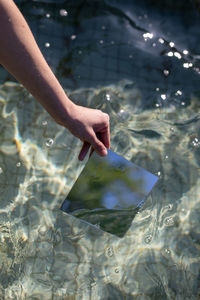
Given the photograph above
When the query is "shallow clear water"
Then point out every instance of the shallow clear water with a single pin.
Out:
(106, 57)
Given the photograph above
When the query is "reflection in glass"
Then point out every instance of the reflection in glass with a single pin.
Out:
(109, 192)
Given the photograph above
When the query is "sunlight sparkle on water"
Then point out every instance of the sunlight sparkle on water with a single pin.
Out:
(187, 65)
(63, 12)
(161, 40)
(147, 36)
(170, 53)
(166, 72)
(178, 55)
(185, 52)
(178, 93)
(163, 96)
(108, 97)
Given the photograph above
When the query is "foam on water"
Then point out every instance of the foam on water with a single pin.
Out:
(47, 254)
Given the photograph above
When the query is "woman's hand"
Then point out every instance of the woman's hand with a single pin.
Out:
(89, 125)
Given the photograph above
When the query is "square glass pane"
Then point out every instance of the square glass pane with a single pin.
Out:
(109, 192)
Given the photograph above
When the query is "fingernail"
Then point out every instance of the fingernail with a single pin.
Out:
(104, 152)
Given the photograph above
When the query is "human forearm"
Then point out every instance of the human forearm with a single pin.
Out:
(20, 55)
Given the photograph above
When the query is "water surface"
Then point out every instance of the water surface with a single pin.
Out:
(105, 56)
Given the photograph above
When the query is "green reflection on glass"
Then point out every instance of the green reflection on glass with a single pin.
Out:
(109, 192)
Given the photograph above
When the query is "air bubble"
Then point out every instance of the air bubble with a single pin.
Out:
(183, 210)
(44, 123)
(171, 44)
(117, 270)
(101, 41)
(196, 70)
(49, 142)
(108, 98)
(48, 16)
(159, 173)
(110, 252)
(148, 239)
(1, 170)
(73, 37)
(170, 206)
(47, 45)
(167, 251)
(166, 72)
(18, 164)
(195, 142)
(123, 115)
(169, 221)
(166, 156)
(63, 13)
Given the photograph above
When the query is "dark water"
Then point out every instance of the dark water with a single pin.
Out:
(101, 42)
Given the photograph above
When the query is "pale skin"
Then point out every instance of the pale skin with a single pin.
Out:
(20, 55)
